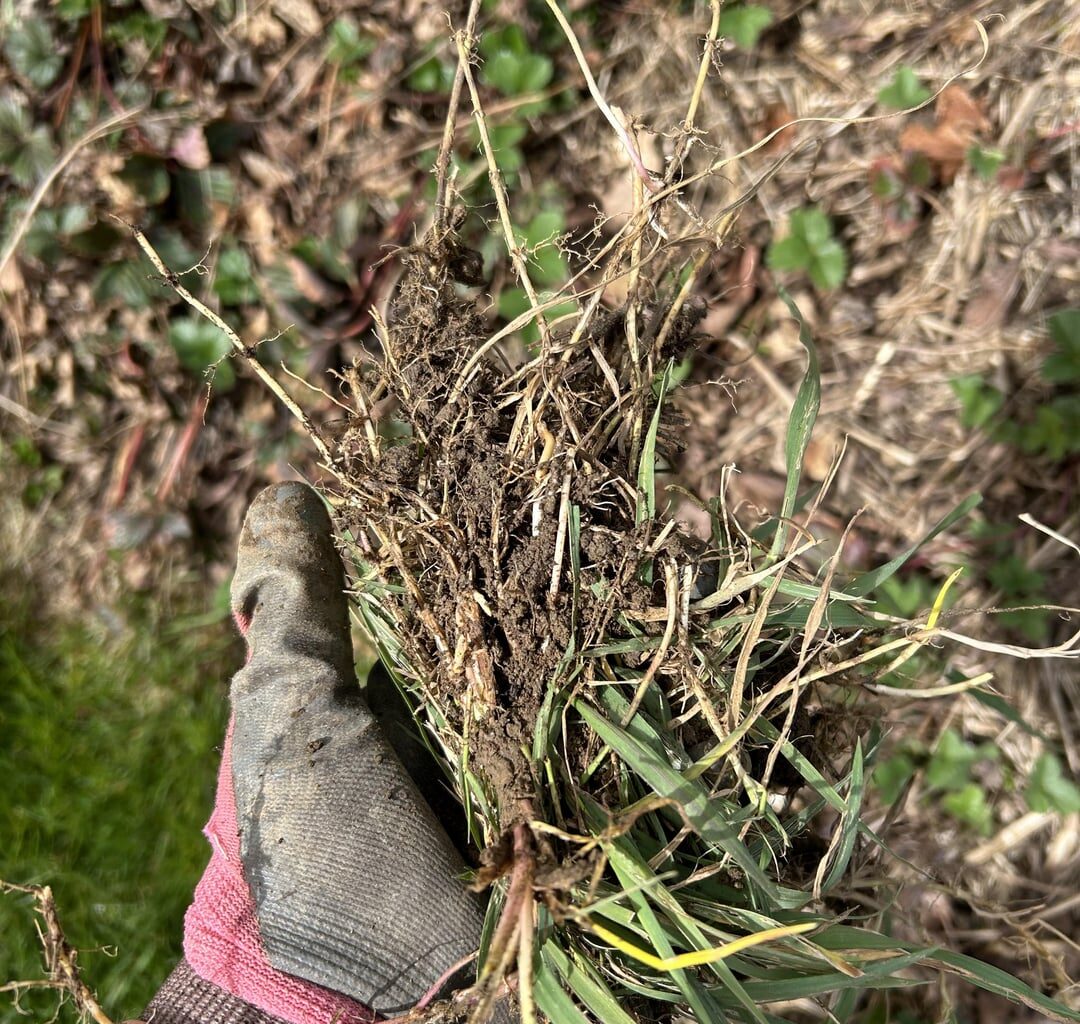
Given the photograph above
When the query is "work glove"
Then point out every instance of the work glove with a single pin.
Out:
(332, 894)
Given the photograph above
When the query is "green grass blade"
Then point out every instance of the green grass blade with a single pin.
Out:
(580, 977)
(999, 982)
(867, 582)
(656, 771)
(801, 421)
(552, 998)
(646, 474)
(849, 821)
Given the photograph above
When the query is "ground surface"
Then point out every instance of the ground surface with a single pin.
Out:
(294, 140)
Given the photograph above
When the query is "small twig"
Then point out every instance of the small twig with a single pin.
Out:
(248, 354)
(442, 162)
(598, 98)
(60, 955)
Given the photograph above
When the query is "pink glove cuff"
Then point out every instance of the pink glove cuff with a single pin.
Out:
(221, 932)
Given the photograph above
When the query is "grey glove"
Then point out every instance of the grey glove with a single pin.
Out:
(356, 886)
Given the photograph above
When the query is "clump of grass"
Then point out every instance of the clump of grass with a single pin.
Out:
(615, 703)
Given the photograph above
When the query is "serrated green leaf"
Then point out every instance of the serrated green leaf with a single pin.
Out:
(904, 91)
(828, 265)
(744, 23)
(811, 225)
(789, 253)
(1049, 789)
(26, 150)
(810, 247)
(32, 50)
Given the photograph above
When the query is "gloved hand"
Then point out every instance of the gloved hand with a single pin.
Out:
(332, 892)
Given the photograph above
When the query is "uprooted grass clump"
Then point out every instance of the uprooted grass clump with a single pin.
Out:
(620, 705)
(641, 724)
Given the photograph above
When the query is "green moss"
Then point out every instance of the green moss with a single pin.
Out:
(108, 758)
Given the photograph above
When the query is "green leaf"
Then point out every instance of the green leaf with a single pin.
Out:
(789, 253)
(123, 282)
(26, 150)
(552, 998)
(148, 177)
(234, 283)
(73, 10)
(952, 760)
(1048, 788)
(510, 65)
(904, 91)
(905, 597)
(864, 584)
(33, 52)
(828, 267)
(140, 26)
(646, 474)
(1063, 366)
(811, 247)
(346, 44)
(979, 401)
(655, 770)
(510, 39)
(849, 822)
(199, 345)
(1011, 575)
(200, 191)
(968, 804)
(891, 776)
(985, 162)
(744, 23)
(812, 225)
(1032, 623)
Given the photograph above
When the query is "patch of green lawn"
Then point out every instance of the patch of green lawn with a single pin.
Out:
(108, 755)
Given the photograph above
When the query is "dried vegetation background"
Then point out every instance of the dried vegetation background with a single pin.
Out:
(234, 132)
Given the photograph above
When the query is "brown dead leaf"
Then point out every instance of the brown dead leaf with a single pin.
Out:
(777, 115)
(958, 109)
(959, 119)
